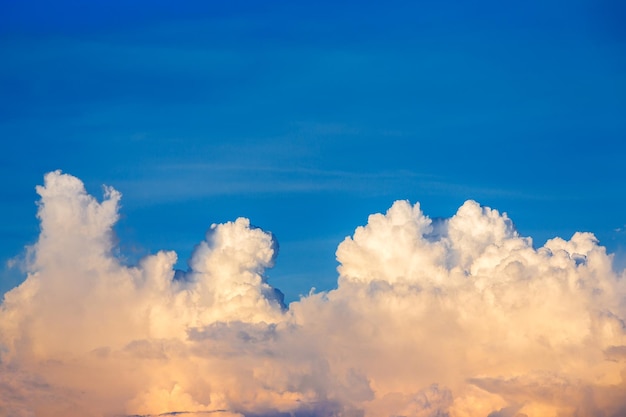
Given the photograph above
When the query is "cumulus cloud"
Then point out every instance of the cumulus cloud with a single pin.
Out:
(451, 317)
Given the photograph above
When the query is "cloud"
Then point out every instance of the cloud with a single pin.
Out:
(450, 317)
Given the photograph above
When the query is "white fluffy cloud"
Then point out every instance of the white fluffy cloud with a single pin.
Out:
(456, 317)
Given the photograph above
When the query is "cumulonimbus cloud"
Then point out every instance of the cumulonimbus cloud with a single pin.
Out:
(454, 317)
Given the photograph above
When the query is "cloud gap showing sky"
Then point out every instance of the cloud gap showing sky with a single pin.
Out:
(430, 317)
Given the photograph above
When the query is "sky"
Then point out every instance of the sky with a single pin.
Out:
(257, 141)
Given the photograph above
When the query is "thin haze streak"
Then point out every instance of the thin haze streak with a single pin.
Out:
(182, 181)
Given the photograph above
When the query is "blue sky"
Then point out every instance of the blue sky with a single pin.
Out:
(308, 117)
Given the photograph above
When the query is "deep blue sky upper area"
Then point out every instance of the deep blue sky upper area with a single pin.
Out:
(306, 118)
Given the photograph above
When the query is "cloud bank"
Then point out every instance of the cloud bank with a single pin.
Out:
(456, 317)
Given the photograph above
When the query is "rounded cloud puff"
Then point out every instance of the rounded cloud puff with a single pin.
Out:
(457, 317)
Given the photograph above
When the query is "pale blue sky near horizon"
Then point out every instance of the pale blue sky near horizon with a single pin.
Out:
(306, 118)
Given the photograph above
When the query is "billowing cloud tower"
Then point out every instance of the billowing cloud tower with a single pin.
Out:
(449, 317)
